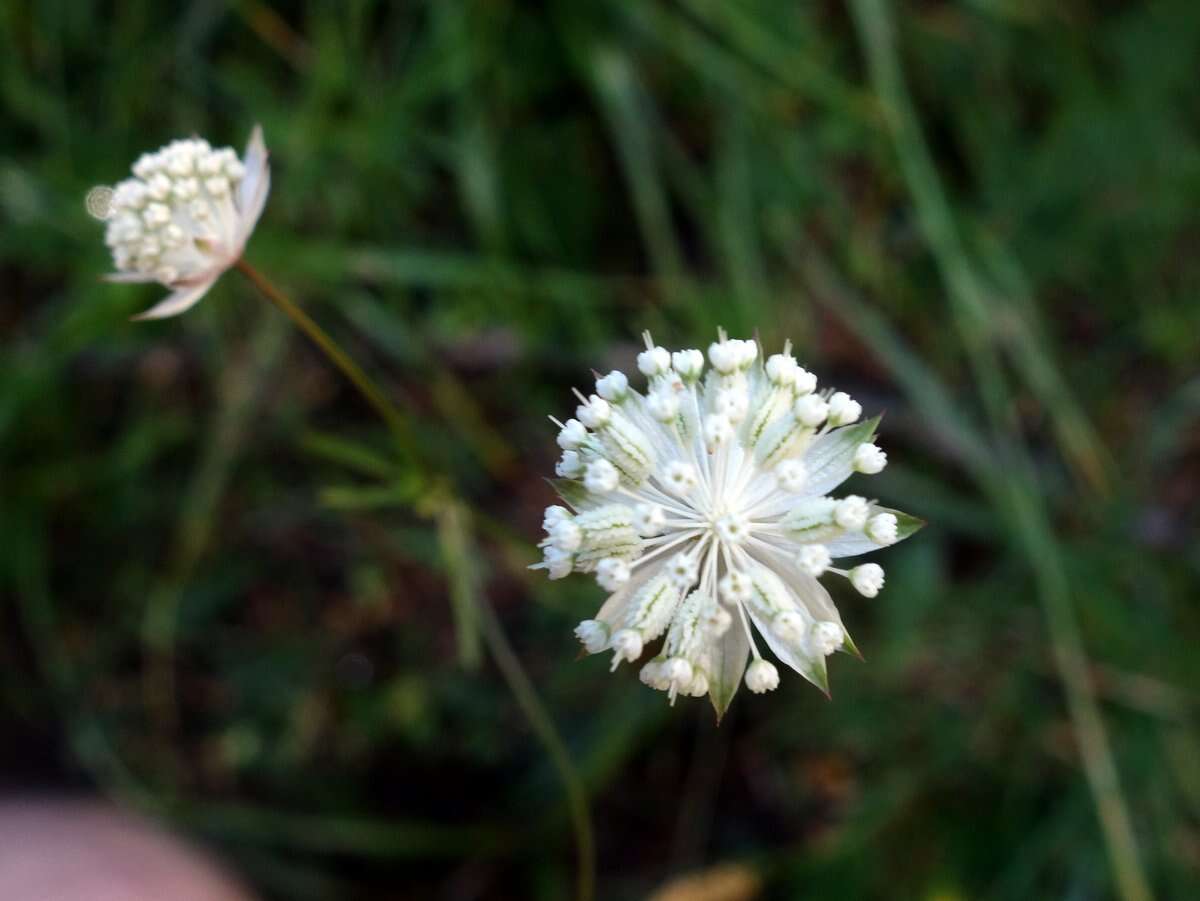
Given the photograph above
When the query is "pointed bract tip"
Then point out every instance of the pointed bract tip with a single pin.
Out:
(849, 647)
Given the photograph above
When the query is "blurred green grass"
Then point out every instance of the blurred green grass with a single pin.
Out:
(487, 200)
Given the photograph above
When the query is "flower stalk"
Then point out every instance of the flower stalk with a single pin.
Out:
(372, 394)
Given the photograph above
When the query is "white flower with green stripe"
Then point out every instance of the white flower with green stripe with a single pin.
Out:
(705, 507)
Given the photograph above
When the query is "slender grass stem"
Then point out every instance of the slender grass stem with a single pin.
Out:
(540, 721)
(1017, 490)
(371, 392)
(509, 664)
(241, 385)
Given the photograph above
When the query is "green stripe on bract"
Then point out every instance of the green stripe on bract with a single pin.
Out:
(782, 439)
(773, 407)
(572, 493)
(836, 449)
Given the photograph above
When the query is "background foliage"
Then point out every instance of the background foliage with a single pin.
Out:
(980, 218)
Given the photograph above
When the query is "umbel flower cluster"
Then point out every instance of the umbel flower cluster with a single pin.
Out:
(704, 506)
(185, 216)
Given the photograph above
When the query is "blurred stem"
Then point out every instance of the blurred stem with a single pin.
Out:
(539, 719)
(493, 634)
(371, 392)
(1015, 481)
(193, 529)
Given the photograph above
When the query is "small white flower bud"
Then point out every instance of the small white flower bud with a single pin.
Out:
(747, 351)
(612, 573)
(613, 387)
(732, 403)
(677, 670)
(681, 478)
(683, 571)
(217, 186)
(553, 516)
(688, 364)
(827, 637)
(157, 214)
(158, 187)
(566, 535)
(717, 430)
(626, 645)
(811, 410)
(186, 188)
(867, 579)
(806, 382)
(572, 435)
(733, 528)
(852, 512)
(662, 404)
(843, 409)
(790, 627)
(557, 562)
(600, 477)
(782, 369)
(791, 476)
(651, 675)
(881, 528)
(593, 635)
(725, 356)
(762, 676)
(570, 466)
(654, 361)
(813, 559)
(735, 587)
(869, 459)
(648, 520)
(718, 620)
(595, 413)
(146, 165)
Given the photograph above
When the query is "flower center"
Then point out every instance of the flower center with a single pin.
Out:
(732, 529)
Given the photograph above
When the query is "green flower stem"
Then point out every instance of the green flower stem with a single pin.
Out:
(371, 392)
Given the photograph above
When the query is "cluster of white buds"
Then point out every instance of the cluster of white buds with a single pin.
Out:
(185, 216)
(703, 507)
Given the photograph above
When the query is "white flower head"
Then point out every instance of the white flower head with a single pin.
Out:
(710, 519)
(185, 217)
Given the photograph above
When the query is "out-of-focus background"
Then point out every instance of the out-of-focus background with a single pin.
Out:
(222, 611)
